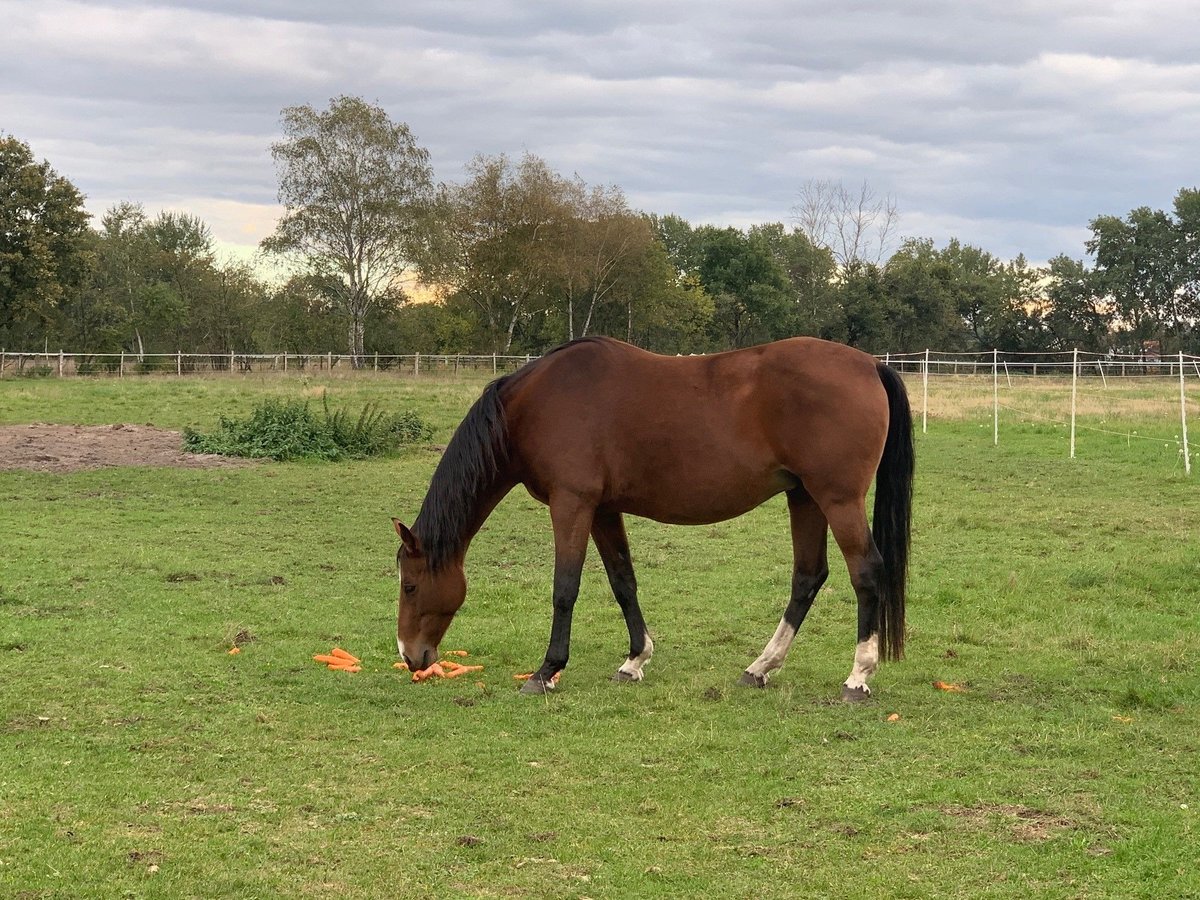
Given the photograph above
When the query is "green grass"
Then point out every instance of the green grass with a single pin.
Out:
(1062, 593)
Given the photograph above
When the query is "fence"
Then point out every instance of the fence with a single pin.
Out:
(62, 364)
(1075, 365)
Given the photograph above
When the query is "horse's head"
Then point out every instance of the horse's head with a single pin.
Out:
(429, 599)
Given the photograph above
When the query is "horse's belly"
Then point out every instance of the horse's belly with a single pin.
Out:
(699, 504)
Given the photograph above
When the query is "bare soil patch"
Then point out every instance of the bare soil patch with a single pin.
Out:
(73, 448)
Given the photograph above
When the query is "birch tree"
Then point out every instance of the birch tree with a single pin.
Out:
(355, 187)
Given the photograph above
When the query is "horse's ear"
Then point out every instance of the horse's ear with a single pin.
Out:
(411, 544)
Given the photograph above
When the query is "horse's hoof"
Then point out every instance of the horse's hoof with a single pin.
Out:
(623, 677)
(536, 686)
(856, 694)
(749, 679)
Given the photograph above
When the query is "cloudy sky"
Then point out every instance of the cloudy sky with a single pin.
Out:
(1006, 124)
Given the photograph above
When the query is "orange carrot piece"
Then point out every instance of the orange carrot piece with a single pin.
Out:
(432, 671)
(235, 651)
(346, 668)
(457, 653)
(326, 658)
(952, 688)
(400, 665)
(464, 670)
(339, 652)
(529, 675)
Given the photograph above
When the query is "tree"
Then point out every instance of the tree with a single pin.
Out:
(1075, 317)
(809, 271)
(920, 307)
(1187, 223)
(355, 187)
(602, 239)
(46, 249)
(855, 226)
(748, 286)
(496, 241)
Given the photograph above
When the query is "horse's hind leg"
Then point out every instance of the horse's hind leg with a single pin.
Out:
(849, 524)
(809, 571)
(608, 531)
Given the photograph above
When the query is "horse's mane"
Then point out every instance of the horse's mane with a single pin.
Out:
(474, 458)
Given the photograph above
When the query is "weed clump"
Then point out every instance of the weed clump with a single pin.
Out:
(289, 429)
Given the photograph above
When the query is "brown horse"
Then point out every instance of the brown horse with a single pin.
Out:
(598, 428)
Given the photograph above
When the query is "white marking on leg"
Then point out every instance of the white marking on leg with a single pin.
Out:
(774, 653)
(633, 667)
(866, 661)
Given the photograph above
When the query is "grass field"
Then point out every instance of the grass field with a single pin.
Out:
(138, 758)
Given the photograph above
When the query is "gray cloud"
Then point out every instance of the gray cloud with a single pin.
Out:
(1008, 125)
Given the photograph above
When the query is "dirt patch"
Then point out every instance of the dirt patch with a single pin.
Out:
(1024, 824)
(73, 448)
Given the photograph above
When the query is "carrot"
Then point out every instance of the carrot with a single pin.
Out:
(235, 651)
(434, 670)
(529, 675)
(952, 688)
(400, 665)
(326, 658)
(339, 652)
(464, 670)
(457, 653)
(347, 668)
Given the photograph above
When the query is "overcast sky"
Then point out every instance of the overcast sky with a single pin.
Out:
(1005, 124)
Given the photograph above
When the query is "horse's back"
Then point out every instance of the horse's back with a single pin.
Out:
(693, 438)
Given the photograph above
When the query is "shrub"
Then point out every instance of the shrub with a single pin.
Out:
(289, 429)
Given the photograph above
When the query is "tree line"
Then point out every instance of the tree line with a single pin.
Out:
(514, 257)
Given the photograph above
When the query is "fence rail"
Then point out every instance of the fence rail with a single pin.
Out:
(63, 364)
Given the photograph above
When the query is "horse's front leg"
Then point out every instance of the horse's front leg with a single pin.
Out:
(572, 520)
(608, 531)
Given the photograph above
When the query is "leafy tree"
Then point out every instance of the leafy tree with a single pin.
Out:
(749, 288)
(496, 241)
(680, 241)
(1074, 315)
(602, 241)
(921, 309)
(1187, 219)
(865, 314)
(809, 270)
(355, 187)
(1138, 266)
(46, 250)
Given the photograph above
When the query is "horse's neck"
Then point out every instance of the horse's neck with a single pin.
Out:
(485, 503)
(449, 536)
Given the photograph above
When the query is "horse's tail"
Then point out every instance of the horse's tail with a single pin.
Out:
(892, 524)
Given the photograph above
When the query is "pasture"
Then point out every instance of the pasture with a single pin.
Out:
(138, 758)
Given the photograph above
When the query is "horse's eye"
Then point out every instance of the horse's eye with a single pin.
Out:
(410, 588)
